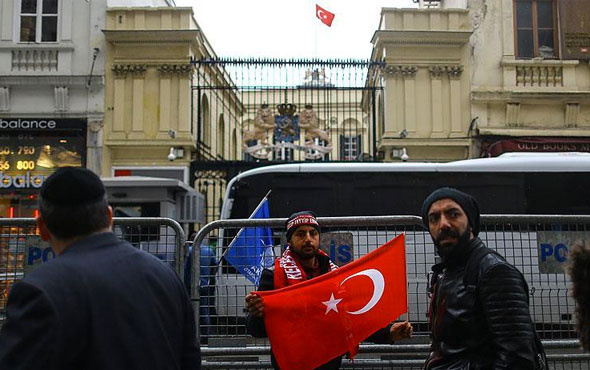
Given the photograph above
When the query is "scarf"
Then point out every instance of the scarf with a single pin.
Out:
(288, 270)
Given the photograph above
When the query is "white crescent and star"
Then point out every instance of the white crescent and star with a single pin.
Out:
(322, 15)
(378, 288)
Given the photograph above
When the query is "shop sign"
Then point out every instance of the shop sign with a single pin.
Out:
(574, 18)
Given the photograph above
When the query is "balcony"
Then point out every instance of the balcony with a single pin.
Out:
(540, 75)
(35, 60)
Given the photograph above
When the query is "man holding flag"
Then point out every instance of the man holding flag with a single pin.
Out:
(303, 261)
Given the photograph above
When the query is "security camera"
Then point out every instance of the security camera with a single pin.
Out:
(403, 134)
(172, 133)
(172, 154)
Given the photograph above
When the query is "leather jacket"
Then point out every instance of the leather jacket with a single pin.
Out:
(482, 326)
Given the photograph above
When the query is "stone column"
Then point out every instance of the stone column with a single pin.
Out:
(409, 75)
(118, 129)
(454, 73)
(137, 131)
(436, 93)
(4, 98)
(94, 140)
(164, 124)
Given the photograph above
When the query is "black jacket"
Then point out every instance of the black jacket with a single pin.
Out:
(102, 305)
(482, 326)
(255, 325)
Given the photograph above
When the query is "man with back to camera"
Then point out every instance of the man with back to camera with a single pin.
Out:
(101, 303)
(303, 260)
(479, 308)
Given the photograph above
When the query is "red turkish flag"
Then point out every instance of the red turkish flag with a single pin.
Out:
(310, 323)
(325, 16)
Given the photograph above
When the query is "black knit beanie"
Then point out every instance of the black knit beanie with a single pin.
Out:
(299, 219)
(69, 186)
(466, 201)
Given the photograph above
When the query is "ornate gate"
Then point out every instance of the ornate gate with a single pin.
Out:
(262, 111)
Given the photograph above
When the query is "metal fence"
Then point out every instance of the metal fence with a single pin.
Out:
(21, 247)
(534, 244)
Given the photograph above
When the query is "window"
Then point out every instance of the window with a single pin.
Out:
(350, 147)
(535, 23)
(221, 137)
(38, 20)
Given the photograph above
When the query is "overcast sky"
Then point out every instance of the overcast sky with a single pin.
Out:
(289, 28)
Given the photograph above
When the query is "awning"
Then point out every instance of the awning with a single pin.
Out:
(536, 144)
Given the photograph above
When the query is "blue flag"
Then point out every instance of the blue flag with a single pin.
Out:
(252, 249)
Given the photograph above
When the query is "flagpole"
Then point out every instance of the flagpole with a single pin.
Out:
(260, 204)
(315, 36)
(239, 232)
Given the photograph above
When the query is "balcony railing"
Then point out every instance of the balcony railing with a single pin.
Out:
(539, 75)
(34, 60)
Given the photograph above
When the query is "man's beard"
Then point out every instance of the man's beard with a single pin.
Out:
(304, 256)
(449, 249)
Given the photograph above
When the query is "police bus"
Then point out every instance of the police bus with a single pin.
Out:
(523, 184)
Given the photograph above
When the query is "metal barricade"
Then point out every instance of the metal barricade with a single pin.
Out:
(517, 237)
(19, 239)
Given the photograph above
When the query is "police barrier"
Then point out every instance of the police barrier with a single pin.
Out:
(21, 248)
(536, 245)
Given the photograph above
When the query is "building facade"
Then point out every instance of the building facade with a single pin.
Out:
(475, 78)
(52, 59)
(51, 94)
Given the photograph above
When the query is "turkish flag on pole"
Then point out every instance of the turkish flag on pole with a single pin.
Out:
(325, 16)
(310, 323)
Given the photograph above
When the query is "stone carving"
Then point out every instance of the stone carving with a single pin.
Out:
(454, 71)
(183, 69)
(121, 70)
(263, 122)
(95, 125)
(401, 70)
(436, 71)
(286, 123)
(286, 127)
(309, 121)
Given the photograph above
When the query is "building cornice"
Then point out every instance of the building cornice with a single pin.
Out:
(538, 62)
(534, 131)
(486, 95)
(424, 141)
(425, 38)
(95, 81)
(150, 36)
(68, 46)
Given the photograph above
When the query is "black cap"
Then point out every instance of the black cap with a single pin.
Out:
(299, 219)
(70, 186)
(466, 201)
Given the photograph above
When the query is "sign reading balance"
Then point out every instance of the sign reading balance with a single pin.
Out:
(32, 149)
(330, 315)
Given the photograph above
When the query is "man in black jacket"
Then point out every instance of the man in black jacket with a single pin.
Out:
(101, 303)
(301, 261)
(479, 309)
